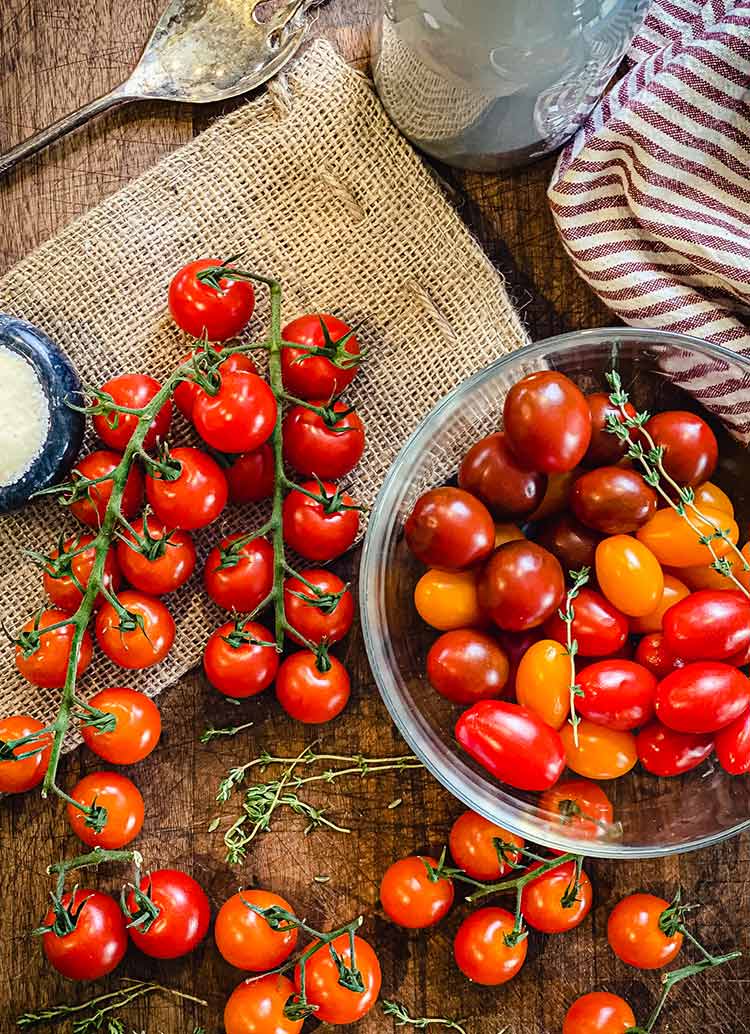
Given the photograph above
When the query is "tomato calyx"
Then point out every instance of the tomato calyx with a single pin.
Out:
(231, 555)
(65, 916)
(29, 640)
(335, 351)
(672, 919)
(152, 547)
(212, 276)
(571, 894)
(332, 502)
(146, 911)
(240, 636)
(163, 466)
(320, 599)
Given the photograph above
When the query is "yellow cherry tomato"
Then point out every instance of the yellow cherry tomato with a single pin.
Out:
(448, 599)
(674, 543)
(556, 496)
(629, 575)
(704, 576)
(709, 494)
(507, 533)
(601, 753)
(674, 591)
(543, 681)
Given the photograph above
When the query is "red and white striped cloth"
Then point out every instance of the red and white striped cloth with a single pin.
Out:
(652, 196)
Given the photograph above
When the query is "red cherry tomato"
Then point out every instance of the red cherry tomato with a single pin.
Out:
(183, 919)
(308, 694)
(599, 628)
(474, 846)
(237, 663)
(134, 390)
(521, 586)
(664, 752)
(599, 1013)
(411, 897)
(18, 776)
(155, 560)
(702, 697)
(96, 944)
(605, 448)
(91, 509)
(601, 753)
(47, 665)
(629, 575)
(195, 498)
(708, 625)
(122, 801)
(653, 654)
(450, 529)
(320, 608)
(245, 939)
(139, 637)
(619, 694)
(547, 421)
(512, 743)
(465, 665)
(328, 446)
(239, 417)
(733, 745)
(552, 903)
(543, 681)
(335, 1003)
(491, 472)
(481, 950)
(333, 366)
(137, 729)
(257, 1007)
(251, 476)
(635, 934)
(188, 391)
(239, 573)
(690, 447)
(61, 575)
(323, 527)
(581, 807)
(217, 310)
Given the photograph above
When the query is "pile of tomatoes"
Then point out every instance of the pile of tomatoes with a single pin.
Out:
(652, 659)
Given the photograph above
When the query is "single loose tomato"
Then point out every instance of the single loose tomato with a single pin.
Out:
(599, 1013)
(708, 625)
(520, 586)
(91, 508)
(122, 802)
(491, 472)
(605, 448)
(705, 576)
(556, 497)
(474, 845)
(515, 645)
(481, 950)
(327, 443)
(411, 897)
(327, 361)
(450, 529)
(257, 1007)
(240, 659)
(69, 569)
(46, 664)
(601, 753)
(653, 654)
(320, 522)
(702, 697)
(251, 475)
(138, 635)
(629, 575)
(246, 939)
(239, 416)
(709, 494)
(187, 391)
(205, 299)
(28, 771)
(318, 606)
(619, 694)
(674, 591)
(664, 752)
(466, 665)
(448, 600)
(674, 543)
(195, 497)
(309, 694)
(97, 942)
(135, 391)
(239, 572)
(552, 902)
(507, 533)
(640, 934)
(612, 500)
(571, 542)
(153, 559)
(543, 681)
(581, 807)
(547, 421)
(335, 1003)
(599, 628)
(690, 447)
(732, 746)
(512, 743)
(183, 915)
(137, 726)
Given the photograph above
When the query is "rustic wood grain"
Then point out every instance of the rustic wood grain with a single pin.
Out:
(54, 56)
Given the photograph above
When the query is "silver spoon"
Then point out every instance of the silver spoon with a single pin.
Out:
(200, 51)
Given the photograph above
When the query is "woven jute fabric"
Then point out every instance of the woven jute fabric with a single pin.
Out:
(315, 187)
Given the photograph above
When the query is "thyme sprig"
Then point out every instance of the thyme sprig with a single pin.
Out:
(213, 733)
(579, 579)
(403, 1018)
(100, 1008)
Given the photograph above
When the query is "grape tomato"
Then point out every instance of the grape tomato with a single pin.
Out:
(629, 575)
(605, 448)
(520, 586)
(547, 421)
(733, 745)
(601, 753)
(674, 543)
(702, 697)
(612, 500)
(690, 447)
(449, 528)
(599, 628)
(465, 665)
(618, 694)
(674, 591)
(448, 599)
(664, 752)
(491, 472)
(543, 681)
(708, 625)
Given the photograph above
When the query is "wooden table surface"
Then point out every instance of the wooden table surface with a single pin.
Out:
(55, 55)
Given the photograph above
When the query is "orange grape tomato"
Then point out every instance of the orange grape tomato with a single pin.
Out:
(507, 533)
(601, 753)
(556, 496)
(674, 591)
(629, 575)
(673, 542)
(709, 494)
(543, 681)
(581, 807)
(705, 576)
(448, 599)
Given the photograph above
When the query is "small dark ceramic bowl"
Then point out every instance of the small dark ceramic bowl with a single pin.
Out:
(59, 382)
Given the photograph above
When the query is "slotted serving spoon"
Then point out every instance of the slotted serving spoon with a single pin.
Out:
(200, 51)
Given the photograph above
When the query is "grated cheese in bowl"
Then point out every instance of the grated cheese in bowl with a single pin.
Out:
(24, 416)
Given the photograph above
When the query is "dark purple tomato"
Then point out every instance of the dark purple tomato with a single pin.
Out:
(733, 746)
(619, 694)
(690, 447)
(604, 448)
(491, 472)
(547, 422)
(612, 500)
(702, 697)
(514, 646)
(599, 628)
(653, 654)
(571, 542)
(664, 752)
(450, 529)
(521, 585)
(465, 666)
(708, 625)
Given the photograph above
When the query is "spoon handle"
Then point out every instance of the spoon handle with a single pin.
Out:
(64, 125)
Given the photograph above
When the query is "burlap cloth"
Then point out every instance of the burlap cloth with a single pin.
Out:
(317, 188)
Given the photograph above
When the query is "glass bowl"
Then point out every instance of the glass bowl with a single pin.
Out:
(653, 816)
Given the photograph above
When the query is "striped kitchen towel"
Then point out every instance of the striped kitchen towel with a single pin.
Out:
(652, 196)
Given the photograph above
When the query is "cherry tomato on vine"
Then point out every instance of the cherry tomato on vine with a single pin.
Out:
(636, 936)
(599, 1013)
(411, 897)
(465, 665)
(629, 575)
(96, 944)
(547, 422)
(601, 753)
(183, 916)
(674, 591)
(239, 577)
(450, 529)
(195, 498)
(323, 613)
(91, 509)
(732, 746)
(322, 528)
(702, 697)
(60, 578)
(581, 807)
(239, 417)
(257, 1007)
(327, 374)
(163, 563)
(520, 586)
(251, 476)
(18, 776)
(123, 803)
(619, 694)
(241, 662)
(708, 625)
(491, 472)
(137, 729)
(543, 681)
(245, 939)
(308, 694)
(605, 448)
(134, 390)
(552, 903)
(599, 628)
(690, 447)
(653, 654)
(480, 949)
(337, 1004)
(188, 391)
(138, 638)
(327, 445)
(447, 600)
(674, 543)
(218, 310)
(664, 752)
(47, 665)
(472, 843)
